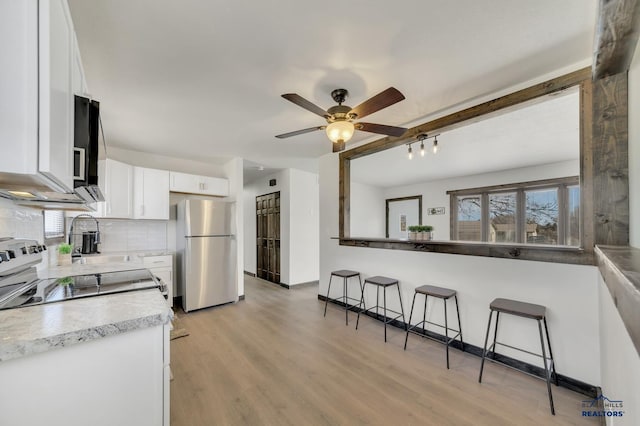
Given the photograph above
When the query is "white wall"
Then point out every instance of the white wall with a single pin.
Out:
(367, 211)
(233, 171)
(634, 149)
(620, 363)
(303, 214)
(570, 292)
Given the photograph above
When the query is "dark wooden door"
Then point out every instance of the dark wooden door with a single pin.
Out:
(268, 236)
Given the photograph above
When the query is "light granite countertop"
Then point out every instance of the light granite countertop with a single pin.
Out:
(88, 269)
(45, 327)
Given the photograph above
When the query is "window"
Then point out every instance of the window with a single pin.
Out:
(542, 212)
(469, 218)
(53, 226)
(502, 217)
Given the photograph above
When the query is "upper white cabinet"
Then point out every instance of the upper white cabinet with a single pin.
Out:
(150, 193)
(78, 82)
(116, 183)
(37, 42)
(56, 60)
(193, 184)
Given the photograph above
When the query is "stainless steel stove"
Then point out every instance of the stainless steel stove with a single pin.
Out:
(20, 285)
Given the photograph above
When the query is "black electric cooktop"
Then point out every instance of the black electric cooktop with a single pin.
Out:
(25, 289)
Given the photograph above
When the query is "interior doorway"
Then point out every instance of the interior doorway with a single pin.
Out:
(268, 236)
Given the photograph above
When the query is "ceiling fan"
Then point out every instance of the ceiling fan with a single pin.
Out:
(340, 118)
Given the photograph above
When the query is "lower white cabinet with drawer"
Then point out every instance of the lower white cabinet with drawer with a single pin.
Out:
(162, 267)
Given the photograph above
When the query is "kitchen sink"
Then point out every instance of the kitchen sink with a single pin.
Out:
(99, 260)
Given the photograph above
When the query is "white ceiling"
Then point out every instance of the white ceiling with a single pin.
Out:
(540, 133)
(202, 79)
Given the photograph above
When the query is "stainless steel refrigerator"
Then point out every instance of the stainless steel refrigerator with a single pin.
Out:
(206, 253)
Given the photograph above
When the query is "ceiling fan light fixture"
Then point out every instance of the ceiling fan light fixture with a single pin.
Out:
(340, 131)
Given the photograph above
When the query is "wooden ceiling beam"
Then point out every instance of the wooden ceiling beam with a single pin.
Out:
(617, 31)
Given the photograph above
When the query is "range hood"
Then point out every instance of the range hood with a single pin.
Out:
(30, 190)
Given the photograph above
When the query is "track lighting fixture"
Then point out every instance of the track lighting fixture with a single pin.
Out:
(421, 138)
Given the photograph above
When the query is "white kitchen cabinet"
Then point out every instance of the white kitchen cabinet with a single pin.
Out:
(194, 184)
(150, 193)
(116, 380)
(78, 82)
(162, 267)
(37, 45)
(116, 183)
(56, 57)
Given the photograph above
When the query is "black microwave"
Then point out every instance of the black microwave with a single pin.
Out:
(85, 145)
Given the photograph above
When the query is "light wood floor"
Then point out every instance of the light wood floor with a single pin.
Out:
(273, 359)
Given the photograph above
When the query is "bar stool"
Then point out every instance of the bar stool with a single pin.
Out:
(345, 274)
(384, 282)
(525, 310)
(444, 294)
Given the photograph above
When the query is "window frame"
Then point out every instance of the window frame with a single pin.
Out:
(590, 175)
(57, 239)
(520, 189)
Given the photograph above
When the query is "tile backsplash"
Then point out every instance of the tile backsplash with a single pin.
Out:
(122, 235)
(117, 235)
(20, 222)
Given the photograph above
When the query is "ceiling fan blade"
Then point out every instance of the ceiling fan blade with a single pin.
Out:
(302, 102)
(299, 132)
(381, 100)
(381, 129)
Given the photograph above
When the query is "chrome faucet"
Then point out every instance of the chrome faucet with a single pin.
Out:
(76, 250)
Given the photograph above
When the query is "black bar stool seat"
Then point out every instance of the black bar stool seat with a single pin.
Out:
(525, 310)
(431, 290)
(444, 294)
(382, 282)
(521, 309)
(345, 274)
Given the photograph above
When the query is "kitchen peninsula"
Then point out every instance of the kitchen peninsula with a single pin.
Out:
(94, 360)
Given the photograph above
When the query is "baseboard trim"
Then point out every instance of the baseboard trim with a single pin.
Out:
(301, 285)
(564, 381)
(251, 274)
(241, 297)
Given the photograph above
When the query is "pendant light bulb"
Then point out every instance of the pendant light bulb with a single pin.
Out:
(422, 148)
(410, 153)
(435, 146)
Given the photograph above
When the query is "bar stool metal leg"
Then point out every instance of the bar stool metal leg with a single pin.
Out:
(446, 331)
(327, 299)
(495, 336)
(459, 325)
(362, 294)
(410, 315)
(384, 295)
(553, 361)
(484, 351)
(547, 376)
(361, 303)
(424, 316)
(344, 298)
(404, 321)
